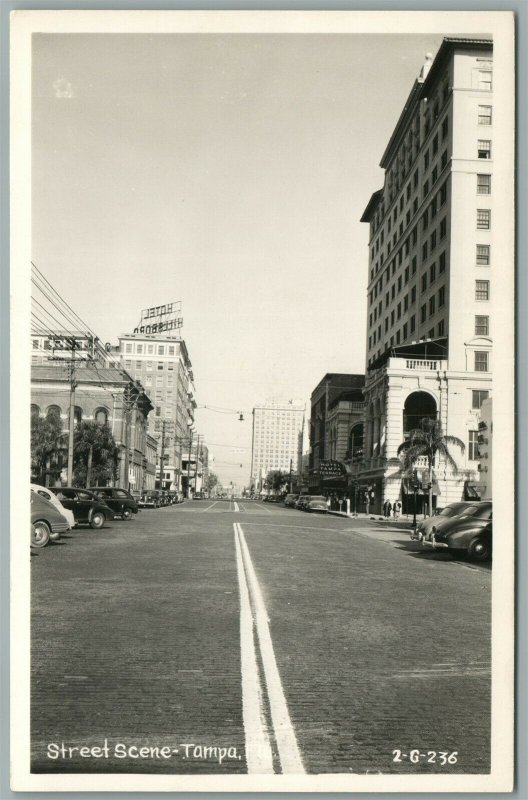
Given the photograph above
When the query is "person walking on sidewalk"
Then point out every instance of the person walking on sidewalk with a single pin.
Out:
(397, 509)
(388, 509)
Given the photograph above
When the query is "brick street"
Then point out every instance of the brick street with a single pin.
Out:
(136, 639)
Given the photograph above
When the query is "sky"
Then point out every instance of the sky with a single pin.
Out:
(229, 172)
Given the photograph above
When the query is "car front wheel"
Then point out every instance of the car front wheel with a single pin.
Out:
(41, 534)
(479, 550)
(126, 513)
(97, 520)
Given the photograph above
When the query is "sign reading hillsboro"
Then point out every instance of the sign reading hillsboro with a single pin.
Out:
(332, 469)
(159, 319)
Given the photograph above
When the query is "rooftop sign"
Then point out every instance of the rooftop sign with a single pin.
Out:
(160, 319)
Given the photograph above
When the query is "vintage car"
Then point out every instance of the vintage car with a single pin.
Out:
(119, 500)
(150, 499)
(290, 500)
(46, 521)
(316, 503)
(469, 534)
(424, 529)
(85, 505)
(48, 495)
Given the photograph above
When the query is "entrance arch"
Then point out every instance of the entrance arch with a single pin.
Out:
(418, 406)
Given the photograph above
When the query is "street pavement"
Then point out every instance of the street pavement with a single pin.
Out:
(232, 637)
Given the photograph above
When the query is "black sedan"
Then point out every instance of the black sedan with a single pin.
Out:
(85, 505)
(469, 534)
(119, 500)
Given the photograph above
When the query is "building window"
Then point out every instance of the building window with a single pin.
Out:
(160, 364)
(483, 255)
(484, 115)
(434, 176)
(432, 273)
(445, 127)
(413, 295)
(484, 80)
(424, 282)
(481, 361)
(101, 416)
(426, 188)
(432, 304)
(482, 290)
(149, 366)
(424, 251)
(483, 219)
(481, 326)
(423, 313)
(478, 396)
(161, 349)
(139, 349)
(443, 228)
(483, 184)
(434, 205)
(441, 327)
(433, 241)
(426, 160)
(435, 144)
(413, 266)
(405, 331)
(150, 349)
(443, 194)
(484, 148)
(441, 296)
(128, 348)
(412, 323)
(473, 453)
(397, 337)
(442, 262)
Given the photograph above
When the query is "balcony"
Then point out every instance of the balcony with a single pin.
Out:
(421, 364)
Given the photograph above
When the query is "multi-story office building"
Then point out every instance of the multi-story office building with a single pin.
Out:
(431, 267)
(277, 428)
(161, 363)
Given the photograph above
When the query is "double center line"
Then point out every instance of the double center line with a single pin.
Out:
(262, 692)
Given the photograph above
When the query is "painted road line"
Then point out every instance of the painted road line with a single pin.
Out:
(261, 505)
(208, 507)
(236, 506)
(289, 753)
(259, 755)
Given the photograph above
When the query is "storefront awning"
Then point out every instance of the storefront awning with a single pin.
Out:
(472, 491)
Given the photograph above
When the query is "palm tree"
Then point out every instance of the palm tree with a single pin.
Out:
(428, 440)
(95, 454)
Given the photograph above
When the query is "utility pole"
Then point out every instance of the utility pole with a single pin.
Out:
(162, 456)
(196, 463)
(189, 463)
(73, 385)
(291, 465)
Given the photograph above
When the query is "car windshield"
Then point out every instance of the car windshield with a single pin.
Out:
(450, 511)
(318, 498)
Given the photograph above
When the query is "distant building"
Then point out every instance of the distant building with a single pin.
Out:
(336, 427)
(105, 395)
(432, 262)
(161, 363)
(275, 439)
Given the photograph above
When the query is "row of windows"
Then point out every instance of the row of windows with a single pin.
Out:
(100, 415)
(150, 349)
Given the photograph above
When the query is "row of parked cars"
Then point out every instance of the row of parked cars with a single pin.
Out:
(313, 503)
(464, 529)
(157, 498)
(55, 510)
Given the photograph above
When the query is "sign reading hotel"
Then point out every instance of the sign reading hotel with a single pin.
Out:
(332, 469)
(161, 319)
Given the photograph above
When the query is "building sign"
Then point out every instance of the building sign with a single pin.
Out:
(161, 319)
(332, 469)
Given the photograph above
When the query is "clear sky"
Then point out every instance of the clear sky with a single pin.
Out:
(228, 172)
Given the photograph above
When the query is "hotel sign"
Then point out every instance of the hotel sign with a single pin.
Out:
(161, 319)
(332, 469)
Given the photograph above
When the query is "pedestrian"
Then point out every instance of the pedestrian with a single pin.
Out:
(386, 509)
(389, 509)
(397, 509)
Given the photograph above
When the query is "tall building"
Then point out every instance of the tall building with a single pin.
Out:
(431, 270)
(161, 363)
(277, 428)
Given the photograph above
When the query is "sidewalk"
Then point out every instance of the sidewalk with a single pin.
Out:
(402, 522)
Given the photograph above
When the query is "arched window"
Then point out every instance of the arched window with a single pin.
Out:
(77, 415)
(101, 416)
(355, 443)
(35, 410)
(418, 406)
(53, 411)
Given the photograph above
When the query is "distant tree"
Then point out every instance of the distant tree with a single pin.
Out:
(94, 455)
(45, 440)
(276, 480)
(212, 482)
(427, 441)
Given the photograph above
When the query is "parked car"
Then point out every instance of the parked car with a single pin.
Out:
(424, 529)
(150, 499)
(119, 500)
(46, 521)
(468, 534)
(48, 495)
(290, 500)
(198, 496)
(85, 505)
(302, 499)
(316, 503)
